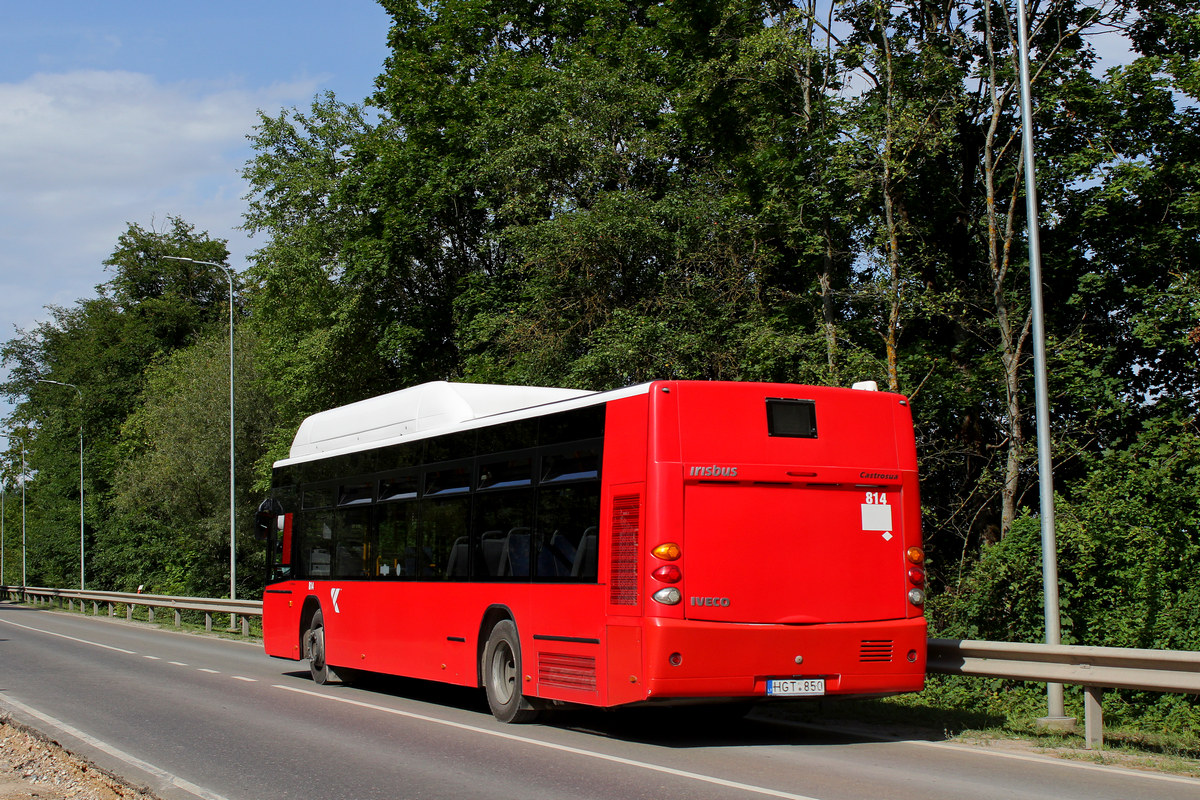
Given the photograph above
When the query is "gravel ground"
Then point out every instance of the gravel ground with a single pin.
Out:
(34, 767)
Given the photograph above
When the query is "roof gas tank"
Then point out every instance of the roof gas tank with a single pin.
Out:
(417, 410)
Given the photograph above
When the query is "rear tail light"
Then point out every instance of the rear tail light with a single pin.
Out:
(668, 597)
(668, 574)
(916, 575)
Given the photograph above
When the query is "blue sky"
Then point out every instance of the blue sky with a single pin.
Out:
(118, 111)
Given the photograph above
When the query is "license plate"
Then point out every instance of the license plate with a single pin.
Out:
(796, 687)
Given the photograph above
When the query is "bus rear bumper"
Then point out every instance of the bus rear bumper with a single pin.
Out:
(686, 658)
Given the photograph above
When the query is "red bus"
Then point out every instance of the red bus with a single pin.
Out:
(672, 542)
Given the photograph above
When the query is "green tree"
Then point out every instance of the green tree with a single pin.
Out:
(103, 345)
(170, 522)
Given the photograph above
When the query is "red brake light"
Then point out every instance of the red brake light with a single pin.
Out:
(916, 576)
(668, 574)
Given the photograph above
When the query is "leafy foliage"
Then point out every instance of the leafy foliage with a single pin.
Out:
(592, 193)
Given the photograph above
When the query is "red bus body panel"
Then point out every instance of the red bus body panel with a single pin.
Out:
(793, 564)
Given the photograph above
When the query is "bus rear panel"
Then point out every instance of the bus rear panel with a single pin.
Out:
(795, 518)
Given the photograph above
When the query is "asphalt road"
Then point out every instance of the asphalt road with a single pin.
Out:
(192, 716)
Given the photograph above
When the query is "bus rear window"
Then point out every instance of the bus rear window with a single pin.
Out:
(796, 419)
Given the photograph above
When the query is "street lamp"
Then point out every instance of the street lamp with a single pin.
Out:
(1056, 714)
(232, 518)
(4, 496)
(76, 388)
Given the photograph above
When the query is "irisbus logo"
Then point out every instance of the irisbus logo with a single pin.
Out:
(715, 471)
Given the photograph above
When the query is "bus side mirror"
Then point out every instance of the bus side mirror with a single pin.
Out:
(266, 519)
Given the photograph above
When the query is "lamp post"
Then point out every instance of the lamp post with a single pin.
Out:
(4, 496)
(1056, 713)
(80, 393)
(3, 516)
(232, 518)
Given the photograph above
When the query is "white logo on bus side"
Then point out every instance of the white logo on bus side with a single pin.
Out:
(333, 595)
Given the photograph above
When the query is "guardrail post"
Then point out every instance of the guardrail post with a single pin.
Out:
(177, 619)
(208, 622)
(1093, 718)
(245, 626)
(150, 613)
(129, 612)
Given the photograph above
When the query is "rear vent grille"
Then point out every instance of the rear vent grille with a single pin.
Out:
(567, 671)
(875, 650)
(623, 584)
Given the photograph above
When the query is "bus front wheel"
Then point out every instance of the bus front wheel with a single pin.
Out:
(502, 676)
(314, 650)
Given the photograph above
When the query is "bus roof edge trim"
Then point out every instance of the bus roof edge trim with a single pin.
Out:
(435, 407)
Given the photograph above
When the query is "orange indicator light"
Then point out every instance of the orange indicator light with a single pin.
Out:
(668, 551)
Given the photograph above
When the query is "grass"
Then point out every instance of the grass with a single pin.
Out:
(1009, 719)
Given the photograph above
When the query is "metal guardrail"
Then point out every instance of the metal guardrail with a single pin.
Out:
(236, 609)
(1093, 668)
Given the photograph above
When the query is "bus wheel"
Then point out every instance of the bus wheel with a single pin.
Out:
(502, 676)
(314, 650)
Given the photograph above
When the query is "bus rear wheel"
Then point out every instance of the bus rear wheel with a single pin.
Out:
(314, 650)
(501, 670)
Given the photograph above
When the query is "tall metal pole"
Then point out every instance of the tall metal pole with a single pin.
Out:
(232, 517)
(1054, 691)
(24, 583)
(76, 388)
(3, 514)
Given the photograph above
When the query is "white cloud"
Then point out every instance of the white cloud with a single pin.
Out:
(84, 153)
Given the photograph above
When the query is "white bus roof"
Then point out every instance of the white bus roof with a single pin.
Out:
(416, 412)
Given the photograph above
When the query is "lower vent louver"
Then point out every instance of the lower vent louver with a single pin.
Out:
(875, 650)
(567, 671)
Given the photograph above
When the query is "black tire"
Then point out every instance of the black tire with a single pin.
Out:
(502, 677)
(314, 651)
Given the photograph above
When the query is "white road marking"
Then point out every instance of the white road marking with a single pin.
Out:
(695, 776)
(177, 663)
(247, 680)
(71, 638)
(92, 741)
(209, 671)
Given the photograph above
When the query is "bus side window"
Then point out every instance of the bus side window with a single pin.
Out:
(352, 546)
(567, 525)
(314, 531)
(502, 520)
(445, 536)
(398, 542)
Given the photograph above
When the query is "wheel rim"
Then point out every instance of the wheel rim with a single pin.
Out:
(504, 673)
(316, 648)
